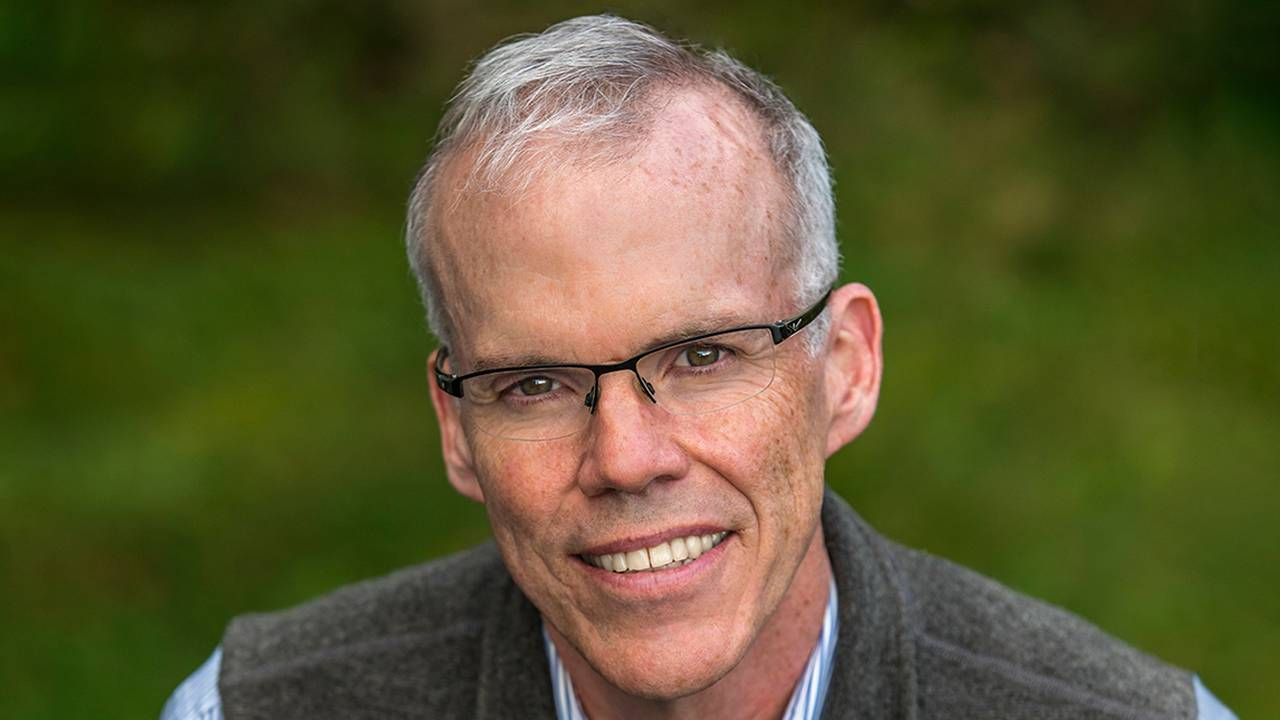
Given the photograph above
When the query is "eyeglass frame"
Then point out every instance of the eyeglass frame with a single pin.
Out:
(779, 331)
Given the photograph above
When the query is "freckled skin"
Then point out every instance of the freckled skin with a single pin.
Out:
(590, 266)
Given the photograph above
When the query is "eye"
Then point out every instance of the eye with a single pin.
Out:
(700, 355)
(536, 385)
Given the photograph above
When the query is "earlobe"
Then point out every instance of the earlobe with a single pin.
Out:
(853, 363)
(458, 462)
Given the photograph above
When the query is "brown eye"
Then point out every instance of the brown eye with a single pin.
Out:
(536, 385)
(700, 355)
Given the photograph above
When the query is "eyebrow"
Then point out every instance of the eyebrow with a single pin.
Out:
(688, 329)
(700, 326)
(513, 361)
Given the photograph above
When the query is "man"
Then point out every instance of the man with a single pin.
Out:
(627, 249)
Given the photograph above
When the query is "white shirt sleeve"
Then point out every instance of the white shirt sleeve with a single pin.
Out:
(1210, 708)
(197, 697)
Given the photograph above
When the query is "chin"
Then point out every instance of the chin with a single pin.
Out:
(664, 683)
(668, 668)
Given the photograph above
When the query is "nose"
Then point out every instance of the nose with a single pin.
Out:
(629, 440)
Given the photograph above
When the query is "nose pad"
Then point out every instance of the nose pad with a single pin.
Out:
(648, 389)
(592, 394)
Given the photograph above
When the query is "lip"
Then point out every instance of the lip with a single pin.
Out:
(638, 542)
(663, 585)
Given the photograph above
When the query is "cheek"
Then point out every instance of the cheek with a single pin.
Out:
(795, 455)
(796, 473)
(771, 450)
(524, 485)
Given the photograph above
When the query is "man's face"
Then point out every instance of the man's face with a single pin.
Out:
(593, 266)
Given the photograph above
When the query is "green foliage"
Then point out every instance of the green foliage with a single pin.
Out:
(212, 392)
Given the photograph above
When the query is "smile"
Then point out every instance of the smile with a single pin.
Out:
(670, 554)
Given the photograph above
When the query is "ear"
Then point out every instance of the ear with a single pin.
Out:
(853, 363)
(458, 462)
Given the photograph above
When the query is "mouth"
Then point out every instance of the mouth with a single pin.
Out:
(666, 555)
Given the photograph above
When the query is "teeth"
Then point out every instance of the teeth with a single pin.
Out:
(694, 544)
(659, 555)
(638, 560)
(679, 551)
(676, 552)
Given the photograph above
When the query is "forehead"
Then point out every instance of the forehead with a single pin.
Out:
(591, 264)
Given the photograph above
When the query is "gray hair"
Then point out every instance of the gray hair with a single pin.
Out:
(582, 84)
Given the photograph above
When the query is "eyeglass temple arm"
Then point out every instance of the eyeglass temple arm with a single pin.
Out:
(447, 382)
(785, 329)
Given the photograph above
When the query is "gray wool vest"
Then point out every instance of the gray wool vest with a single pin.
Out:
(919, 638)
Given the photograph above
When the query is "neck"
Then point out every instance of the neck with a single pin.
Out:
(759, 686)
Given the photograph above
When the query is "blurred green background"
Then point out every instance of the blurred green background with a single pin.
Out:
(212, 397)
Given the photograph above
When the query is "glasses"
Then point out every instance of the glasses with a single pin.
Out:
(693, 376)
